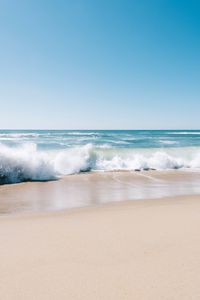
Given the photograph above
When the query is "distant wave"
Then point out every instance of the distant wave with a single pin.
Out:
(81, 133)
(185, 132)
(19, 135)
(27, 163)
(168, 142)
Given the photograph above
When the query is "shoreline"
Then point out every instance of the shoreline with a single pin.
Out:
(94, 190)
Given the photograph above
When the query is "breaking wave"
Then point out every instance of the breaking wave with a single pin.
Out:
(27, 163)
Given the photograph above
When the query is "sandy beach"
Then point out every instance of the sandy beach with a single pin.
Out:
(131, 250)
(100, 150)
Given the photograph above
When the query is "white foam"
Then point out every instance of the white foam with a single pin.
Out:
(168, 142)
(75, 160)
(19, 135)
(81, 133)
(158, 161)
(185, 132)
(26, 162)
(104, 146)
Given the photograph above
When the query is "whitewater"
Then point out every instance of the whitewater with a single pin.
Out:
(41, 155)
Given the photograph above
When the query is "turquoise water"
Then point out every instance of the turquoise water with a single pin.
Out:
(49, 154)
(61, 139)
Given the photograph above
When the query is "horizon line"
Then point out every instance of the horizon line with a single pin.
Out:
(114, 129)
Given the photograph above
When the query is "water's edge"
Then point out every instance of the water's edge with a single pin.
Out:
(93, 189)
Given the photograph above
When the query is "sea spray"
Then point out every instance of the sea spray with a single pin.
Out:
(75, 160)
(28, 155)
(24, 163)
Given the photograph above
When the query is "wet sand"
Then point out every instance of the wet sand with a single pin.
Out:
(131, 250)
(93, 189)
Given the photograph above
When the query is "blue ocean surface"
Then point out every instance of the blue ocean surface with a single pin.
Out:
(47, 154)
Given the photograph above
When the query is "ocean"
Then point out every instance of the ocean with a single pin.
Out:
(40, 155)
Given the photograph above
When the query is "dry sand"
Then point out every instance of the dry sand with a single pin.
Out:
(137, 250)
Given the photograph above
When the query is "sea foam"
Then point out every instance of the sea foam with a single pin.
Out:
(27, 163)
(24, 163)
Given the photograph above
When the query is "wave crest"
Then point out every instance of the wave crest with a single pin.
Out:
(27, 163)
(23, 164)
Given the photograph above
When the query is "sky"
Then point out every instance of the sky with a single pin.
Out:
(103, 64)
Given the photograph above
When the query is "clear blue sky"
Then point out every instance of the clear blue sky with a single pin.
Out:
(100, 64)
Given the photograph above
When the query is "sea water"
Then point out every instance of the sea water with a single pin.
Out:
(29, 155)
